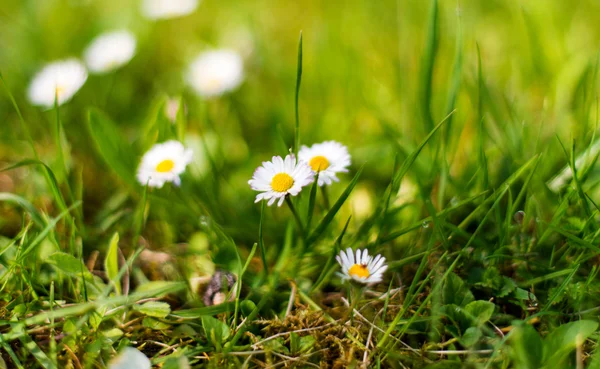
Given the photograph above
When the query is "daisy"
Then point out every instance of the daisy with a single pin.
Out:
(364, 268)
(58, 81)
(327, 158)
(279, 177)
(110, 51)
(164, 162)
(130, 358)
(165, 9)
(215, 72)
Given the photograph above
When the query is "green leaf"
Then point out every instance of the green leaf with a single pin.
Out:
(563, 340)
(196, 313)
(526, 346)
(113, 334)
(174, 362)
(455, 291)
(154, 309)
(67, 264)
(215, 330)
(159, 288)
(247, 306)
(155, 324)
(508, 286)
(471, 336)
(277, 345)
(480, 311)
(111, 263)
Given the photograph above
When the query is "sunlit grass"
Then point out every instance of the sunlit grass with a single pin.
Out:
(471, 129)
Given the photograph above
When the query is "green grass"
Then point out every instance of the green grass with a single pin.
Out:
(473, 133)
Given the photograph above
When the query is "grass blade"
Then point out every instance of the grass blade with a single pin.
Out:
(428, 63)
(298, 80)
(319, 229)
(115, 151)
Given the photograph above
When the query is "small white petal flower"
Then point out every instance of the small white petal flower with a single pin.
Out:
(165, 9)
(363, 268)
(279, 177)
(110, 51)
(327, 158)
(57, 81)
(130, 358)
(215, 72)
(163, 163)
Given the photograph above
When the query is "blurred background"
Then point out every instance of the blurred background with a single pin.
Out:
(518, 74)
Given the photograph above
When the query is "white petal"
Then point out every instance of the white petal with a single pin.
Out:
(130, 358)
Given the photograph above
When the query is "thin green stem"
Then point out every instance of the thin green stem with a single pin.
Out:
(296, 216)
(326, 202)
(261, 241)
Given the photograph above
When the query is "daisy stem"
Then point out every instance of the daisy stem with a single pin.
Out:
(354, 295)
(296, 216)
(325, 197)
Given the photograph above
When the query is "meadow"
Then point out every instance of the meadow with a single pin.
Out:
(146, 221)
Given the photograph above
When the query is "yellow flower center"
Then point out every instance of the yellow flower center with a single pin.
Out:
(282, 182)
(165, 166)
(359, 270)
(319, 163)
(214, 83)
(58, 91)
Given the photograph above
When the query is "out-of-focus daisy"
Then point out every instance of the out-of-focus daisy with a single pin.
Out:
(110, 51)
(130, 358)
(279, 177)
(163, 163)
(57, 81)
(363, 268)
(164, 9)
(215, 72)
(327, 158)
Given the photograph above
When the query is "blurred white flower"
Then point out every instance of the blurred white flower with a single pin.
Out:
(165, 9)
(163, 163)
(130, 358)
(364, 268)
(110, 51)
(216, 72)
(327, 158)
(58, 81)
(279, 177)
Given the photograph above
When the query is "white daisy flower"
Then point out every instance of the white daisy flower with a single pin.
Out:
(130, 358)
(364, 268)
(216, 72)
(279, 177)
(165, 9)
(163, 163)
(327, 158)
(57, 81)
(110, 51)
